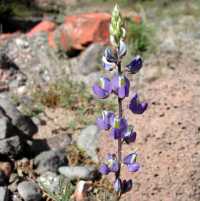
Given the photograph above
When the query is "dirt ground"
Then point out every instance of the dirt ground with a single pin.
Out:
(168, 140)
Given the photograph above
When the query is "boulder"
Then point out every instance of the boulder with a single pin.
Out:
(24, 124)
(6, 128)
(81, 30)
(11, 147)
(50, 181)
(29, 191)
(35, 63)
(3, 179)
(49, 161)
(30, 62)
(4, 194)
(88, 141)
(57, 142)
(90, 59)
(4, 37)
(44, 26)
(78, 172)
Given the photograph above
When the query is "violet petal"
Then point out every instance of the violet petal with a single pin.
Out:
(104, 169)
(133, 167)
(135, 65)
(118, 185)
(130, 159)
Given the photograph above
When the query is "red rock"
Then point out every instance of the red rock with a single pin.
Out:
(81, 30)
(51, 40)
(44, 26)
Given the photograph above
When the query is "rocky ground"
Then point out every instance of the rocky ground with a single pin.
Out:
(40, 145)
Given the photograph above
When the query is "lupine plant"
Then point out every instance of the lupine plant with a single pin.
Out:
(119, 86)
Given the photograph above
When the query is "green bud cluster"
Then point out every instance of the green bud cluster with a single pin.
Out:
(117, 30)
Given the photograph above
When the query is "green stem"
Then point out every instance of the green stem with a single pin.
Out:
(119, 148)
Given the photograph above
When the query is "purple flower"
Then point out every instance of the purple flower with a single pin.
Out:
(111, 165)
(118, 185)
(104, 121)
(102, 89)
(130, 135)
(135, 65)
(110, 56)
(130, 159)
(136, 106)
(133, 167)
(127, 185)
(104, 169)
(119, 126)
(120, 85)
(122, 49)
(109, 59)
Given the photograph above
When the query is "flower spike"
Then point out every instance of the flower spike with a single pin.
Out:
(119, 85)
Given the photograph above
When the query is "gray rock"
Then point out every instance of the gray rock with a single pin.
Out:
(29, 191)
(23, 123)
(58, 142)
(50, 181)
(90, 59)
(16, 197)
(50, 161)
(11, 147)
(88, 141)
(33, 64)
(13, 182)
(2, 179)
(78, 172)
(36, 60)
(4, 194)
(6, 128)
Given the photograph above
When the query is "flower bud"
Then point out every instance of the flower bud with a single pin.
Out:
(116, 12)
(116, 27)
(118, 185)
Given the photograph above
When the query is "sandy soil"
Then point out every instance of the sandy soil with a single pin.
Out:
(168, 140)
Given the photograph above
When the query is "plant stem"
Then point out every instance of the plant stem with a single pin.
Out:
(119, 140)
(120, 114)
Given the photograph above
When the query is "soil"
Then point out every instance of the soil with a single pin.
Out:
(168, 137)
